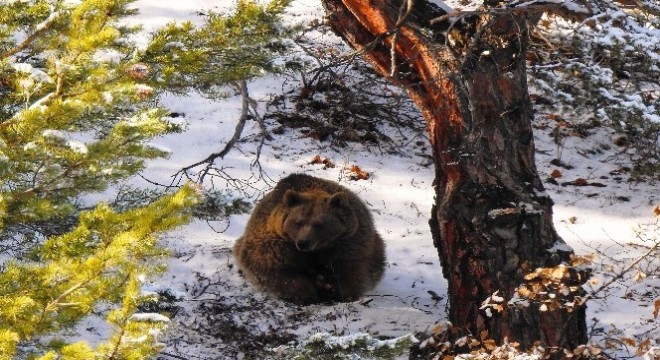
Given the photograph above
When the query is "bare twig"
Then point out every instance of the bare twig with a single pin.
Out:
(157, 183)
(513, 7)
(263, 133)
(393, 66)
(240, 125)
(174, 356)
(620, 275)
(404, 11)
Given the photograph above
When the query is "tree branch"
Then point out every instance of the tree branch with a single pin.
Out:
(240, 125)
(39, 29)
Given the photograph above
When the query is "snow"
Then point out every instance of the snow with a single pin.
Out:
(447, 6)
(33, 77)
(107, 97)
(77, 146)
(651, 117)
(42, 25)
(574, 7)
(412, 295)
(149, 317)
(54, 133)
(175, 44)
(496, 298)
(142, 118)
(159, 147)
(348, 340)
(111, 56)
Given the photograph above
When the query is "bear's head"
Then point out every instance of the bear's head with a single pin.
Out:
(314, 220)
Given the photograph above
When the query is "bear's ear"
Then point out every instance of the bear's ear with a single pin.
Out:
(292, 198)
(339, 200)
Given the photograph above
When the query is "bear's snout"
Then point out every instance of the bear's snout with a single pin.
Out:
(305, 245)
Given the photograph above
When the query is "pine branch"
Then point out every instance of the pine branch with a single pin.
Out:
(39, 29)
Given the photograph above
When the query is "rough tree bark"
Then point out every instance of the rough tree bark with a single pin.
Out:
(492, 221)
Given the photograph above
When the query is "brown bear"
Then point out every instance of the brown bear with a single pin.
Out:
(311, 240)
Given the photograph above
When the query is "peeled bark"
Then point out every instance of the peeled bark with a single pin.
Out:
(492, 221)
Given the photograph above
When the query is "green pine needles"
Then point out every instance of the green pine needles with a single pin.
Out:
(77, 112)
(225, 50)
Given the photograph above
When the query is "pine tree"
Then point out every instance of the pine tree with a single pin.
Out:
(76, 116)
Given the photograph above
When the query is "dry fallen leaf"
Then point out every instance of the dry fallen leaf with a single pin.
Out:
(524, 291)
(643, 347)
(490, 344)
(579, 260)
(611, 344)
(358, 174)
(580, 182)
(327, 163)
(556, 174)
(316, 160)
(581, 349)
(639, 276)
(629, 341)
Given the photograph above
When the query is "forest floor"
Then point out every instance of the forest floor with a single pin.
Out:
(216, 314)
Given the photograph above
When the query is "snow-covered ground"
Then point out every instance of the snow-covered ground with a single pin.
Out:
(218, 309)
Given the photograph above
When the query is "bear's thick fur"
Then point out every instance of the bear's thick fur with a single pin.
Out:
(311, 240)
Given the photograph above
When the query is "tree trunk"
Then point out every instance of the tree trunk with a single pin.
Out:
(492, 221)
